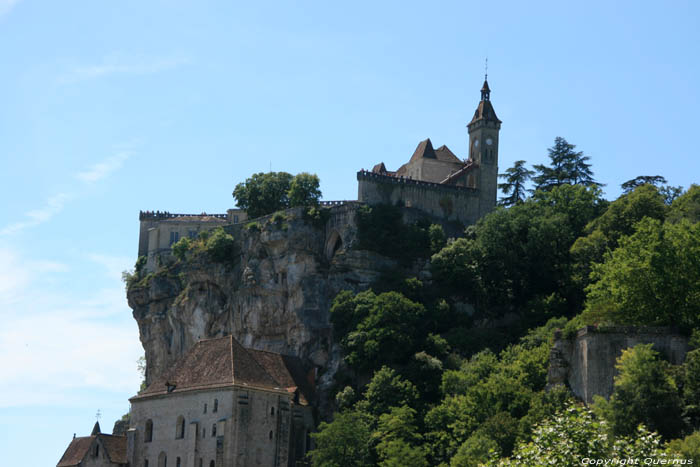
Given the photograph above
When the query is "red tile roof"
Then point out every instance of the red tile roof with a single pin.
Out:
(224, 362)
(76, 451)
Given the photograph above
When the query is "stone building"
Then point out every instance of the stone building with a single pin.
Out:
(96, 450)
(436, 181)
(223, 405)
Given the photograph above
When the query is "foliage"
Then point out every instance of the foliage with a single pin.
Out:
(514, 186)
(686, 206)
(437, 238)
(181, 247)
(653, 278)
(381, 228)
(220, 246)
(344, 442)
(304, 190)
(686, 448)
(253, 226)
(631, 185)
(566, 166)
(131, 278)
(574, 434)
(388, 389)
(316, 216)
(644, 393)
(398, 439)
(377, 328)
(265, 193)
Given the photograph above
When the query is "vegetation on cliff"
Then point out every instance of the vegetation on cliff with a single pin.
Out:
(454, 366)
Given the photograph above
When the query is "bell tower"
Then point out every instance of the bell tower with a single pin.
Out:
(483, 149)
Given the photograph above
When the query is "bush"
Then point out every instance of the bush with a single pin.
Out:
(220, 246)
(181, 247)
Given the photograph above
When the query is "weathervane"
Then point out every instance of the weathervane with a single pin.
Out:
(486, 70)
(98, 415)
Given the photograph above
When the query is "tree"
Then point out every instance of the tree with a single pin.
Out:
(265, 193)
(644, 393)
(516, 179)
(651, 279)
(304, 190)
(567, 166)
(631, 185)
(686, 206)
(343, 442)
(386, 390)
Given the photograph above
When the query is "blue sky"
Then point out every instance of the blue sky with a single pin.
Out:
(107, 108)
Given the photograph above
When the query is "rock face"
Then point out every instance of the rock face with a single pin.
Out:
(275, 295)
(586, 363)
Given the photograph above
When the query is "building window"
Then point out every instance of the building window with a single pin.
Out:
(177, 462)
(205, 407)
(235, 219)
(97, 450)
(272, 411)
(192, 234)
(212, 464)
(216, 405)
(145, 463)
(213, 430)
(180, 427)
(201, 462)
(174, 237)
(204, 433)
(148, 433)
(270, 434)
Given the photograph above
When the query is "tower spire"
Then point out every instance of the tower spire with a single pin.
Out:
(486, 70)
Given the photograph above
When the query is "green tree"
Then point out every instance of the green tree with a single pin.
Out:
(644, 393)
(181, 247)
(686, 206)
(514, 187)
(263, 193)
(437, 238)
(220, 246)
(652, 278)
(344, 442)
(398, 439)
(686, 448)
(388, 389)
(631, 185)
(566, 166)
(304, 190)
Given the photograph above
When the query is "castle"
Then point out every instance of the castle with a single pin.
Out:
(434, 182)
(216, 402)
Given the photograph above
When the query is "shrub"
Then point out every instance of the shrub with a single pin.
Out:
(220, 246)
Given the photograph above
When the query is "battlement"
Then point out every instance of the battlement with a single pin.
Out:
(161, 215)
(380, 178)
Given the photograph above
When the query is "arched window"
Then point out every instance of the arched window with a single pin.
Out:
(162, 459)
(180, 427)
(177, 462)
(216, 405)
(148, 434)
(270, 434)
(213, 430)
(272, 411)
(201, 462)
(212, 464)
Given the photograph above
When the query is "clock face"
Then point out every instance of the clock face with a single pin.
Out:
(489, 141)
(476, 143)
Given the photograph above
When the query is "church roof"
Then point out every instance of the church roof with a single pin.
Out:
(224, 362)
(114, 446)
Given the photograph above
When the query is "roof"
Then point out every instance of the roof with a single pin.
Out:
(76, 451)
(485, 110)
(443, 153)
(224, 362)
(195, 218)
(114, 446)
(423, 150)
(453, 177)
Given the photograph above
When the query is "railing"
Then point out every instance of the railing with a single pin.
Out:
(158, 215)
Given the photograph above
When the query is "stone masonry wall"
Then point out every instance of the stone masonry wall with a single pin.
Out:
(586, 363)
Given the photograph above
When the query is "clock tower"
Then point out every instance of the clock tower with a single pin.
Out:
(483, 150)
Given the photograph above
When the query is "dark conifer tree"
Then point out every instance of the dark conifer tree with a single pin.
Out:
(567, 166)
(514, 186)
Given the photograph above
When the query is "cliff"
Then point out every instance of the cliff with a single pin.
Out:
(274, 294)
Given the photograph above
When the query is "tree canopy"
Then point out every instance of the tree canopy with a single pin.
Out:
(515, 185)
(265, 193)
(566, 166)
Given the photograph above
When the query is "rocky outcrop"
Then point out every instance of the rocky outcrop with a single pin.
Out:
(274, 295)
(586, 362)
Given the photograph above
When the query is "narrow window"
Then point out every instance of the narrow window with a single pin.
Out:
(212, 464)
(180, 428)
(201, 462)
(216, 405)
(148, 433)
(204, 433)
(235, 219)
(272, 411)
(97, 450)
(174, 237)
(177, 462)
(145, 463)
(213, 430)
(205, 407)
(270, 434)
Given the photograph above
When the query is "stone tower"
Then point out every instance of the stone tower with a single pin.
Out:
(483, 149)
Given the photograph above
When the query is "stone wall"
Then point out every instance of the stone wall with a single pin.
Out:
(586, 363)
(448, 202)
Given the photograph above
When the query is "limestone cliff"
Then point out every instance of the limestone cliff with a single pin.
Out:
(274, 295)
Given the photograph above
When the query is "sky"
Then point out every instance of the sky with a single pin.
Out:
(108, 108)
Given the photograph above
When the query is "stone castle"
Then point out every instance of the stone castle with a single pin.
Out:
(240, 358)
